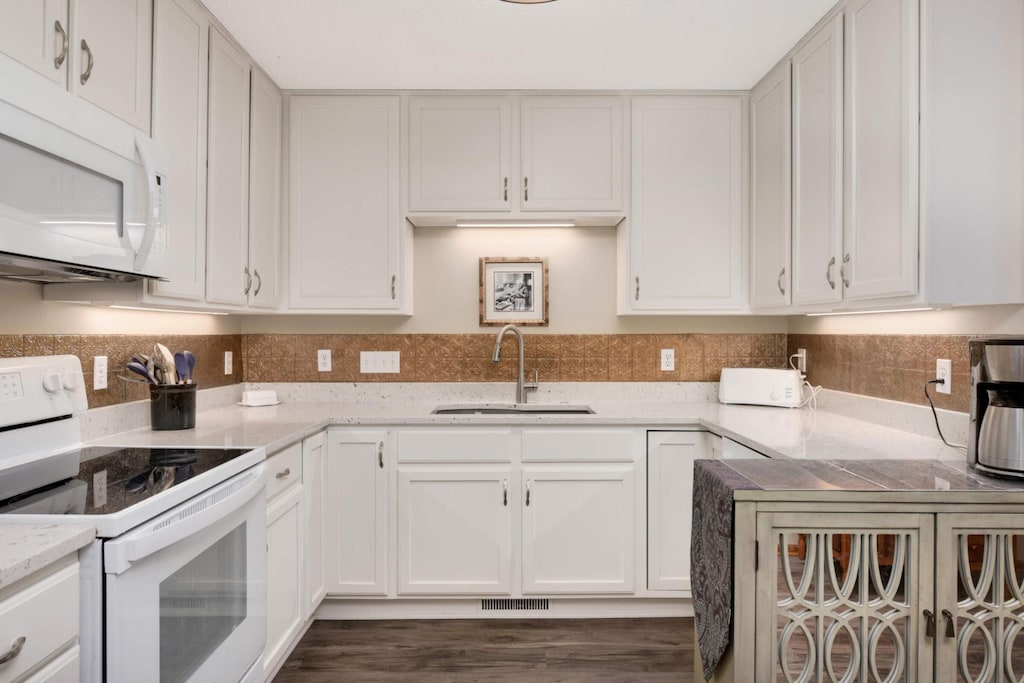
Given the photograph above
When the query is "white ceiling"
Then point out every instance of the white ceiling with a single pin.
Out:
(489, 44)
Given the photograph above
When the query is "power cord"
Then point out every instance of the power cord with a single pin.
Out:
(812, 395)
(936, 415)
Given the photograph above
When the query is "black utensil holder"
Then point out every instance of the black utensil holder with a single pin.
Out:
(172, 406)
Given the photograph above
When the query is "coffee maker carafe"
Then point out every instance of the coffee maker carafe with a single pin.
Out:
(996, 443)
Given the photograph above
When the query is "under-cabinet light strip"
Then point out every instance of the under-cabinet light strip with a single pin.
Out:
(889, 310)
(165, 310)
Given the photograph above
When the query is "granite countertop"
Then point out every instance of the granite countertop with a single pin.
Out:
(27, 548)
(776, 432)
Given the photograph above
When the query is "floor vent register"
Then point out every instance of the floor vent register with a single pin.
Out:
(514, 604)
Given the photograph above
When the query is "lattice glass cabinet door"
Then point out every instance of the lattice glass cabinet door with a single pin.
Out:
(979, 574)
(840, 597)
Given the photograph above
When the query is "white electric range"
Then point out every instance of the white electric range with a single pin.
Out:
(174, 587)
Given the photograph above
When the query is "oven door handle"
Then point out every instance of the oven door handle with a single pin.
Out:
(188, 518)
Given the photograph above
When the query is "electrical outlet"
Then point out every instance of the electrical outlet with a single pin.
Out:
(323, 360)
(944, 371)
(668, 360)
(229, 360)
(801, 361)
(99, 372)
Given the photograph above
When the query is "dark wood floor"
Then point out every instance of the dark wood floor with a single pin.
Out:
(493, 651)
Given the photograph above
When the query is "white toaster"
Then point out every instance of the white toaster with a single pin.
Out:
(761, 387)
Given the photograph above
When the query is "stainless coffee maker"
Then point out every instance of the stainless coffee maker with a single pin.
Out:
(996, 443)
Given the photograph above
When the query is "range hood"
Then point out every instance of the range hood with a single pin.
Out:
(44, 271)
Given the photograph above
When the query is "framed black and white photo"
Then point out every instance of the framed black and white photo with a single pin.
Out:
(513, 290)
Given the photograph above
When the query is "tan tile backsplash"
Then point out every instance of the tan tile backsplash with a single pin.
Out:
(467, 357)
(208, 349)
(894, 366)
(886, 366)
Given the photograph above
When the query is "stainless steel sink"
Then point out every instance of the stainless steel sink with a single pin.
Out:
(511, 409)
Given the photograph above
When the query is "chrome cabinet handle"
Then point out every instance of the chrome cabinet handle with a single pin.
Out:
(259, 282)
(526, 189)
(393, 296)
(505, 193)
(950, 623)
(842, 271)
(380, 454)
(15, 650)
(58, 61)
(504, 492)
(88, 63)
(528, 482)
(929, 626)
(284, 473)
(828, 273)
(782, 290)
(637, 295)
(248, 281)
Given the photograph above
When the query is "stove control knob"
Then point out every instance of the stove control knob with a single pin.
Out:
(775, 396)
(52, 383)
(72, 381)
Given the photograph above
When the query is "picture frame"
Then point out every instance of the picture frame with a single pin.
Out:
(513, 291)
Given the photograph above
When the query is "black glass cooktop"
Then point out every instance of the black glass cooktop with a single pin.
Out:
(111, 479)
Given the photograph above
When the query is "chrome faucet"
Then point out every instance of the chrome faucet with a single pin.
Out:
(521, 385)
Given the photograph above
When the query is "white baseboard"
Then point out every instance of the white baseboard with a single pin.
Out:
(558, 608)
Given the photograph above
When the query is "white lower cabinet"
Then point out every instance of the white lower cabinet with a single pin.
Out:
(670, 457)
(314, 485)
(578, 529)
(454, 529)
(356, 512)
(285, 548)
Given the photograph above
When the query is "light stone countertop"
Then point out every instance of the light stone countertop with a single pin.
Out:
(27, 548)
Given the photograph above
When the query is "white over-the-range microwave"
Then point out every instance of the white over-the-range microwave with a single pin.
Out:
(81, 192)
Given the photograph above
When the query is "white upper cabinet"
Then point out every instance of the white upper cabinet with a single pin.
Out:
(100, 50)
(770, 189)
(227, 277)
(571, 153)
(880, 255)
(111, 56)
(181, 46)
(345, 229)
(818, 167)
(514, 156)
(460, 153)
(35, 32)
(264, 191)
(686, 225)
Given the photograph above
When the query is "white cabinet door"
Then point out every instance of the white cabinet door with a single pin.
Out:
(356, 513)
(460, 153)
(670, 457)
(284, 575)
(314, 489)
(881, 148)
(579, 530)
(571, 153)
(770, 269)
(264, 191)
(454, 529)
(35, 33)
(227, 278)
(112, 56)
(180, 51)
(345, 229)
(686, 232)
(818, 167)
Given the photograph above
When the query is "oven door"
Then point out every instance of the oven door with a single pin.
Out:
(186, 591)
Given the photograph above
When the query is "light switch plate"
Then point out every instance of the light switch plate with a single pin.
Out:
(228, 362)
(380, 362)
(99, 372)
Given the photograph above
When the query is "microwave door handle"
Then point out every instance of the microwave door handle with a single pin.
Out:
(146, 541)
(146, 245)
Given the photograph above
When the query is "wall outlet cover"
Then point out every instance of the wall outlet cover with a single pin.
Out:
(229, 359)
(944, 371)
(323, 360)
(99, 373)
(668, 360)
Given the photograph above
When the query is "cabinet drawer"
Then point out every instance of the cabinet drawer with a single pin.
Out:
(285, 469)
(568, 445)
(45, 613)
(455, 445)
